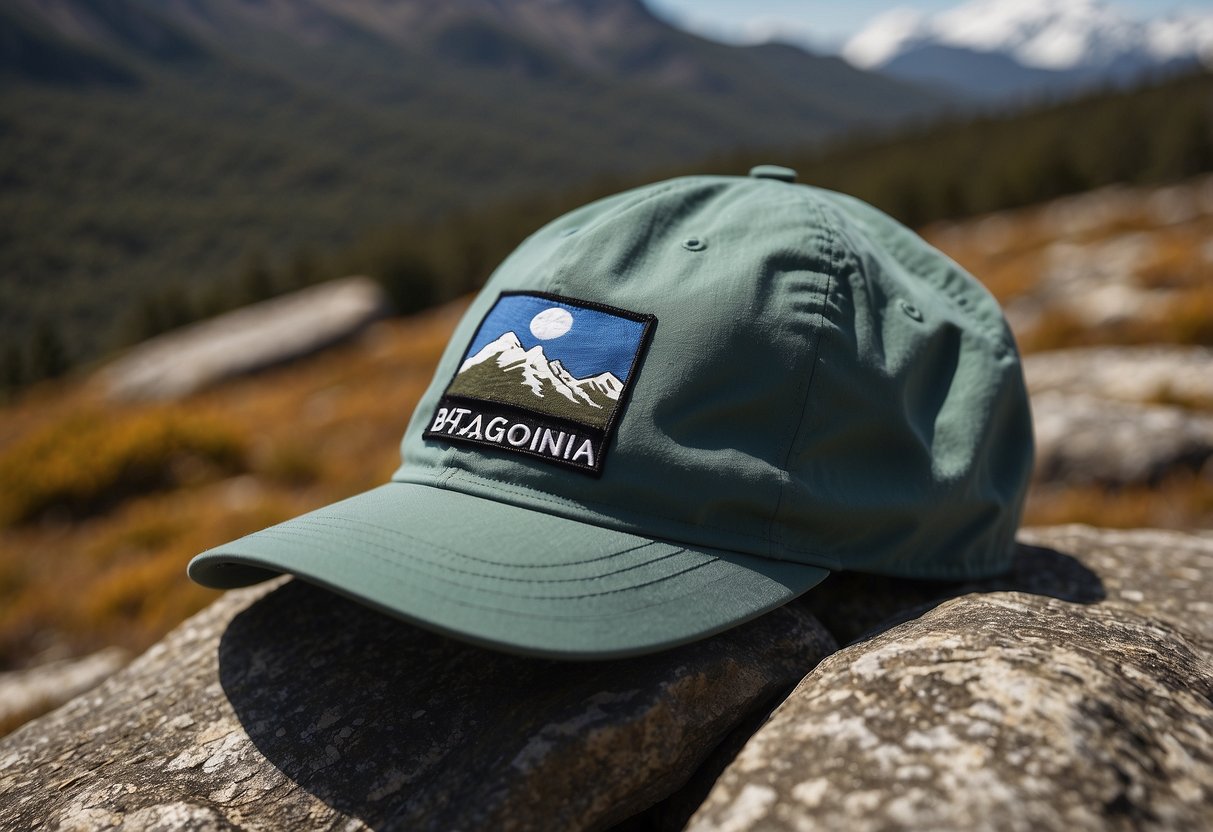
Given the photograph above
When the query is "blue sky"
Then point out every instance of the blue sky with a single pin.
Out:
(594, 343)
(827, 25)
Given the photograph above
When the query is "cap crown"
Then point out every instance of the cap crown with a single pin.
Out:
(820, 385)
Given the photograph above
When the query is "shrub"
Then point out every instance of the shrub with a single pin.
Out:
(92, 460)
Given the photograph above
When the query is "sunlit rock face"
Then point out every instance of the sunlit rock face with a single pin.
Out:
(1005, 709)
(296, 709)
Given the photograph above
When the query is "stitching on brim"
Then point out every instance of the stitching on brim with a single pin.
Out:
(440, 547)
(540, 616)
(387, 538)
(286, 536)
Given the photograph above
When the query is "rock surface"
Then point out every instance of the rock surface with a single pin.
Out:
(1162, 575)
(1084, 440)
(291, 708)
(852, 605)
(25, 694)
(249, 339)
(1005, 710)
(1145, 375)
(1075, 692)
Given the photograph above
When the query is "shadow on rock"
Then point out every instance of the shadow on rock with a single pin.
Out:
(402, 728)
(854, 606)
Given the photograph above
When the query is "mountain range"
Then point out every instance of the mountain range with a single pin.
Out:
(1016, 49)
(157, 145)
(559, 60)
(504, 371)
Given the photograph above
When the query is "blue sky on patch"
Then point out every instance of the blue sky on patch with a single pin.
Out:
(596, 342)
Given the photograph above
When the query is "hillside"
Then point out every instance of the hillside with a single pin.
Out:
(97, 270)
(152, 146)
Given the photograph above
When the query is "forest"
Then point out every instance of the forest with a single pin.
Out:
(1159, 132)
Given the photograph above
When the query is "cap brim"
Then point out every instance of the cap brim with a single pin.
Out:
(510, 578)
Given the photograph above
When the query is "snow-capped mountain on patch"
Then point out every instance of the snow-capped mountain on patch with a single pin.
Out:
(542, 376)
(1000, 48)
(605, 383)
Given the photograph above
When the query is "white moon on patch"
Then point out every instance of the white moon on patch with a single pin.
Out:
(551, 323)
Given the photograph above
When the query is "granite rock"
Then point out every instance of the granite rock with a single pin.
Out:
(1085, 440)
(1155, 374)
(1004, 709)
(32, 691)
(853, 605)
(290, 708)
(1166, 575)
(1074, 692)
(246, 340)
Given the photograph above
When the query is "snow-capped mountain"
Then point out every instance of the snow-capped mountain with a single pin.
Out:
(605, 383)
(996, 48)
(542, 376)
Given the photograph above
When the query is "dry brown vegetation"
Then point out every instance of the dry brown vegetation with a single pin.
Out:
(102, 506)
(1113, 266)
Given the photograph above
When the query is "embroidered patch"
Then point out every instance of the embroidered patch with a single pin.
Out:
(545, 376)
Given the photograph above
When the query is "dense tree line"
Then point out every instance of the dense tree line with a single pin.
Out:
(1156, 133)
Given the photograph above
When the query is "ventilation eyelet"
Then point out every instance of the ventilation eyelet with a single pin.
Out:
(910, 309)
(694, 244)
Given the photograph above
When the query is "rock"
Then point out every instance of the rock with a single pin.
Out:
(1165, 576)
(1005, 710)
(291, 708)
(1083, 440)
(1074, 692)
(1174, 204)
(25, 694)
(1081, 214)
(1145, 375)
(852, 605)
(263, 335)
(1097, 284)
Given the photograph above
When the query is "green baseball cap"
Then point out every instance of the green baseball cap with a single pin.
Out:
(674, 409)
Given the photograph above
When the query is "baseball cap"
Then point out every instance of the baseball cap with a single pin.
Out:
(674, 409)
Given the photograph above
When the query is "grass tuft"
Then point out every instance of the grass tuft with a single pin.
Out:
(91, 460)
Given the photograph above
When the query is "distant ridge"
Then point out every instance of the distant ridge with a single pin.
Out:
(260, 128)
(1016, 49)
(528, 378)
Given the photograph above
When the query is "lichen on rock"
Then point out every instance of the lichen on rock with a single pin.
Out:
(293, 708)
(1005, 710)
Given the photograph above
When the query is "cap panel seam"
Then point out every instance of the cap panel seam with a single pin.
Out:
(992, 325)
(836, 255)
(556, 285)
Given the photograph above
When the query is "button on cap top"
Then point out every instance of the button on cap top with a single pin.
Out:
(773, 172)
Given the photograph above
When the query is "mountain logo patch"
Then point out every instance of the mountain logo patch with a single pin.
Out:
(545, 376)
